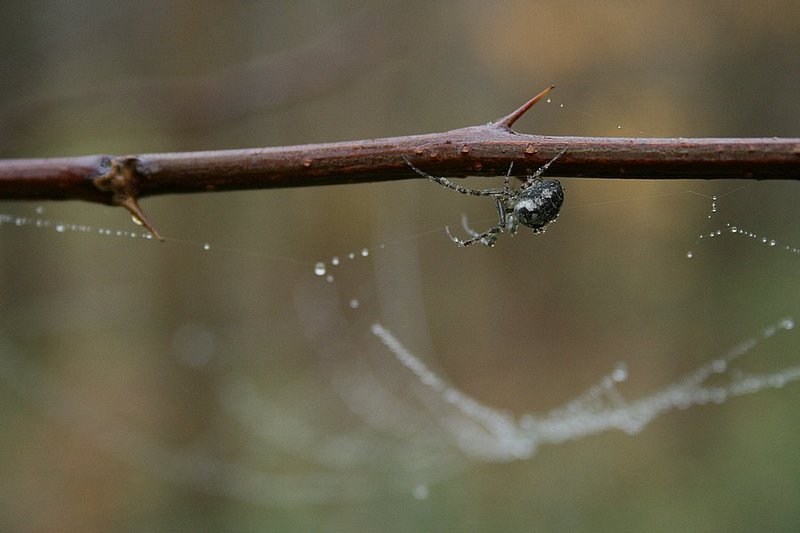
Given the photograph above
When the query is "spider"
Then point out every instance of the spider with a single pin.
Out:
(535, 204)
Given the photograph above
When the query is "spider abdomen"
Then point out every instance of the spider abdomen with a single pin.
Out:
(539, 204)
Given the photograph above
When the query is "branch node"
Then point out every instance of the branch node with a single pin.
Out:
(120, 181)
(509, 120)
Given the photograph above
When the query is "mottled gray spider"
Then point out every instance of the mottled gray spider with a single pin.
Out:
(535, 204)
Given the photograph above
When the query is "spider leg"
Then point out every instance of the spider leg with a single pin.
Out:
(535, 176)
(502, 221)
(485, 240)
(487, 237)
(506, 187)
(444, 182)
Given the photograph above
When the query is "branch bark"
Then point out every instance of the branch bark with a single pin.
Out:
(473, 151)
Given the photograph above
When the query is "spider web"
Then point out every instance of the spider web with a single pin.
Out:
(337, 408)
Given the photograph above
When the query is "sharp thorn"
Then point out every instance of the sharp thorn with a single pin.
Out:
(509, 120)
(130, 203)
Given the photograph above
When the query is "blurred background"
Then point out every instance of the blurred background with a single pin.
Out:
(170, 387)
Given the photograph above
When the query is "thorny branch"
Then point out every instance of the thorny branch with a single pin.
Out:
(484, 150)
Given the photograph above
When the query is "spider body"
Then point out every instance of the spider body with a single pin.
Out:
(535, 204)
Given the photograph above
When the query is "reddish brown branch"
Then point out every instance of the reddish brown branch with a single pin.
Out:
(478, 150)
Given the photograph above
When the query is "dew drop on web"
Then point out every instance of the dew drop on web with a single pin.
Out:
(421, 492)
(620, 373)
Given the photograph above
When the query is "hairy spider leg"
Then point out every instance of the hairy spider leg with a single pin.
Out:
(535, 176)
(488, 237)
(465, 225)
(444, 182)
(506, 186)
